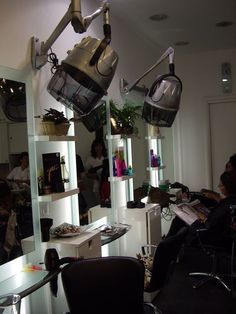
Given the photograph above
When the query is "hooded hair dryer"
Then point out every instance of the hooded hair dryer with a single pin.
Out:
(84, 76)
(162, 100)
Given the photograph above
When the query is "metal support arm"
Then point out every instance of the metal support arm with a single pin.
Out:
(79, 23)
(168, 53)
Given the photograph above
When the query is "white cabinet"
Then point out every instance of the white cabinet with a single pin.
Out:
(87, 245)
(4, 158)
(17, 137)
(145, 226)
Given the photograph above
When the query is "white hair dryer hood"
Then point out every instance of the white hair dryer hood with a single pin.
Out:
(80, 85)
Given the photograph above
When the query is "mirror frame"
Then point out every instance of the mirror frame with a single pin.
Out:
(25, 76)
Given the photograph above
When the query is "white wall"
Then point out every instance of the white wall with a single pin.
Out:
(20, 20)
(201, 77)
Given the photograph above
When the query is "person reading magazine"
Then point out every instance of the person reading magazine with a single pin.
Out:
(217, 221)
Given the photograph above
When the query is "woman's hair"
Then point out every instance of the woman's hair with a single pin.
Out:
(232, 161)
(94, 144)
(228, 179)
(23, 154)
(4, 189)
(5, 193)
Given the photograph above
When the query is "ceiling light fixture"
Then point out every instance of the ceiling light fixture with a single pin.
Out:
(84, 76)
(162, 100)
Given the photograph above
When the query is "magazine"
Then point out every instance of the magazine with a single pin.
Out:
(190, 212)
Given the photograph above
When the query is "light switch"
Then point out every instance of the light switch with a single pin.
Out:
(226, 77)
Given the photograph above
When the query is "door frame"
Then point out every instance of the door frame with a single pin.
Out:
(211, 101)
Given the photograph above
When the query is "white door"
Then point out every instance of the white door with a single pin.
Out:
(223, 136)
(17, 137)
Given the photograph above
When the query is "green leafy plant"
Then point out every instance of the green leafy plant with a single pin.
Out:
(125, 117)
(55, 116)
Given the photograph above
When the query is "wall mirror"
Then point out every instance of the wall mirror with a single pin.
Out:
(139, 142)
(14, 141)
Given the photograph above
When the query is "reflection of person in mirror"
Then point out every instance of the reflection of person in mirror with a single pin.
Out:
(94, 165)
(10, 246)
(19, 177)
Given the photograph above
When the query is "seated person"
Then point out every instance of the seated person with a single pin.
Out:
(19, 177)
(218, 222)
(9, 244)
(83, 208)
(212, 195)
(94, 165)
(105, 191)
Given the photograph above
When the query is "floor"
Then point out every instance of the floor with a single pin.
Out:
(178, 295)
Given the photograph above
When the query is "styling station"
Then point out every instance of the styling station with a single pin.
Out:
(72, 72)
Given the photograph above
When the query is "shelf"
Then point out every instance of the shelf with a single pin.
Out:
(156, 168)
(57, 196)
(26, 282)
(118, 136)
(54, 138)
(113, 137)
(158, 137)
(123, 178)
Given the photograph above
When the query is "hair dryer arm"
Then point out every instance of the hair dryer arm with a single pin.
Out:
(168, 53)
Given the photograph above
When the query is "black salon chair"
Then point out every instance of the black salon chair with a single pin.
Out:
(219, 256)
(105, 285)
(165, 255)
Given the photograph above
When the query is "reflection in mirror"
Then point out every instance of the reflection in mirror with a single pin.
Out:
(16, 221)
(13, 100)
(139, 143)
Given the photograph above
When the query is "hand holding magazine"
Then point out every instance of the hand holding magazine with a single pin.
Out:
(190, 212)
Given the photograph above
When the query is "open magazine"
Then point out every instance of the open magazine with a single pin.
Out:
(190, 212)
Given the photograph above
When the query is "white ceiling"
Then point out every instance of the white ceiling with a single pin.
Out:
(189, 20)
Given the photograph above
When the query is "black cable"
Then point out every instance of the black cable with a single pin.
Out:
(166, 213)
(52, 58)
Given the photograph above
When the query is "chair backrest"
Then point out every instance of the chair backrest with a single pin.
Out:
(104, 285)
(166, 253)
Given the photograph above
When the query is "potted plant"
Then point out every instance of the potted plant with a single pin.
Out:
(54, 122)
(123, 119)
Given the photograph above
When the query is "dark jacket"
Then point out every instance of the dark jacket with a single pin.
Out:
(218, 223)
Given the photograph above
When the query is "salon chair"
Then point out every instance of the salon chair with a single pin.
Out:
(163, 257)
(218, 255)
(105, 285)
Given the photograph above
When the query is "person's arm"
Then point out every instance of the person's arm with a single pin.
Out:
(211, 194)
(11, 175)
(89, 167)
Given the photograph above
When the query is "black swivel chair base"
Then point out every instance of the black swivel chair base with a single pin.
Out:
(207, 277)
(150, 308)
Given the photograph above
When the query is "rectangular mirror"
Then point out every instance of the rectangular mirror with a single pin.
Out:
(16, 218)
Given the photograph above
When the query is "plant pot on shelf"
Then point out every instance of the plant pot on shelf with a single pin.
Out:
(127, 130)
(51, 128)
(62, 128)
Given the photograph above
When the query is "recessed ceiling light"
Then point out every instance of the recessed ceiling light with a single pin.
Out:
(224, 24)
(158, 17)
(181, 43)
